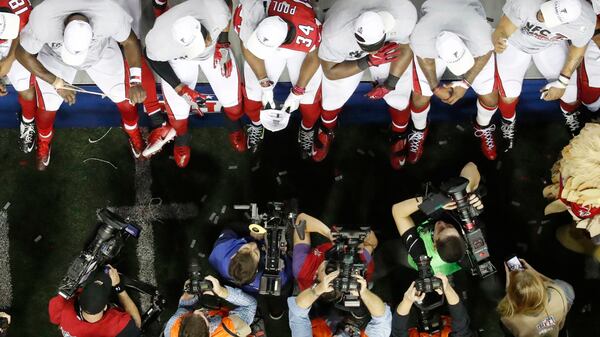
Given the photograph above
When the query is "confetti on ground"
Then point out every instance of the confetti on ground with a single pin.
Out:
(339, 177)
(203, 199)
(371, 153)
(212, 216)
(515, 203)
(360, 151)
(539, 231)
(193, 244)
(223, 209)
(6, 206)
(232, 167)
(443, 142)
(532, 222)
(498, 165)
(282, 173)
(241, 207)
(247, 215)
(37, 239)
(216, 220)
(278, 180)
(255, 167)
(522, 246)
(460, 128)
(202, 255)
(545, 222)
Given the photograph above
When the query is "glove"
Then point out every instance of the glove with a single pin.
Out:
(293, 100)
(222, 58)
(193, 98)
(378, 92)
(463, 84)
(159, 7)
(560, 84)
(389, 53)
(266, 85)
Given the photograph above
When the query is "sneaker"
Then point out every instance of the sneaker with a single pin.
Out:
(508, 133)
(43, 155)
(157, 139)
(255, 134)
(322, 143)
(28, 136)
(306, 140)
(181, 154)
(488, 142)
(238, 140)
(397, 150)
(416, 143)
(573, 123)
(136, 142)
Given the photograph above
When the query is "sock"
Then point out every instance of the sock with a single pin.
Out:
(28, 109)
(157, 119)
(151, 104)
(567, 108)
(252, 109)
(310, 114)
(235, 112)
(180, 126)
(129, 115)
(399, 119)
(419, 116)
(508, 110)
(329, 118)
(484, 113)
(45, 123)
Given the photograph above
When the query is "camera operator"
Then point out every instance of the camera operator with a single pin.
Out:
(90, 313)
(4, 323)
(192, 320)
(302, 325)
(534, 305)
(308, 255)
(444, 244)
(458, 312)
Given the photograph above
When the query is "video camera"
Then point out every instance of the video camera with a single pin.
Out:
(454, 189)
(426, 283)
(277, 223)
(197, 285)
(343, 256)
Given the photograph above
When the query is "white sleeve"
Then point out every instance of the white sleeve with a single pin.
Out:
(596, 4)
(329, 54)
(515, 11)
(122, 26)
(405, 24)
(251, 16)
(29, 41)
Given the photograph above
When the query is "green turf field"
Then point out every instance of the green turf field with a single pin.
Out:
(355, 186)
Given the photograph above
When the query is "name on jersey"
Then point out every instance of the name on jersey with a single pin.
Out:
(541, 33)
(286, 8)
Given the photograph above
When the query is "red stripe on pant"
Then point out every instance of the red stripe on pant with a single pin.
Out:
(44, 119)
(234, 113)
(180, 126)
(311, 112)
(252, 109)
(507, 110)
(587, 93)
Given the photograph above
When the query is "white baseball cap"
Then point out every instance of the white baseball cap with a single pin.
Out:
(267, 37)
(187, 31)
(274, 120)
(77, 39)
(370, 29)
(452, 50)
(9, 26)
(558, 12)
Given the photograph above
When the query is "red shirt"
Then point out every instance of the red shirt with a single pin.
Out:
(62, 313)
(580, 211)
(20, 7)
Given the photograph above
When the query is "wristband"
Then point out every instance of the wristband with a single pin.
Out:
(265, 82)
(363, 63)
(298, 91)
(223, 37)
(119, 288)
(464, 80)
(135, 75)
(564, 79)
(391, 82)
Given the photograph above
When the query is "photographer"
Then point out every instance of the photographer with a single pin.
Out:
(4, 323)
(534, 305)
(458, 312)
(309, 255)
(303, 326)
(444, 244)
(192, 320)
(90, 313)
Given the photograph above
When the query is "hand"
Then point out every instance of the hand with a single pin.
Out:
(192, 97)
(553, 91)
(67, 95)
(378, 92)
(443, 93)
(388, 53)
(3, 91)
(445, 283)
(267, 86)
(114, 275)
(222, 58)
(458, 90)
(292, 102)
(5, 315)
(362, 284)
(412, 295)
(5, 65)
(217, 288)
(257, 236)
(500, 44)
(475, 201)
(370, 242)
(137, 94)
(326, 279)
(450, 206)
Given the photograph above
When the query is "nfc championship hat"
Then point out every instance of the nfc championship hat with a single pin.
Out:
(9, 26)
(77, 39)
(267, 37)
(187, 31)
(558, 12)
(452, 50)
(370, 29)
(96, 294)
(274, 120)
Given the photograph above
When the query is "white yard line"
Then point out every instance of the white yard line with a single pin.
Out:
(5, 278)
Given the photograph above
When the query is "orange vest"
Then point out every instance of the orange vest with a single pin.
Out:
(219, 332)
(321, 329)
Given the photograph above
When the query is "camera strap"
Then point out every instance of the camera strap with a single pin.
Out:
(231, 333)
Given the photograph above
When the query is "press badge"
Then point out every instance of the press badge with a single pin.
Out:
(547, 325)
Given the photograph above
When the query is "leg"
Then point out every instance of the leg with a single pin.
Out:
(22, 79)
(589, 78)
(487, 104)
(335, 95)
(511, 66)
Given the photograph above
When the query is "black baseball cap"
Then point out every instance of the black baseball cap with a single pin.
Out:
(96, 294)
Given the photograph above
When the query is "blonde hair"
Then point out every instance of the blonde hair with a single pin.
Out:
(526, 294)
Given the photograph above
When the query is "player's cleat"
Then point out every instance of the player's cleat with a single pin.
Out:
(237, 139)
(256, 133)
(573, 123)
(397, 150)
(157, 139)
(488, 141)
(181, 154)
(43, 155)
(416, 144)
(306, 140)
(508, 133)
(136, 142)
(322, 143)
(28, 136)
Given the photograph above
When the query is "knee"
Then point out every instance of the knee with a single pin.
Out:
(419, 101)
(490, 100)
(28, 95)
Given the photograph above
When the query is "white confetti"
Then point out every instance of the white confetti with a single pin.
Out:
(193, 244)
(443, 142)
(203, 199)
(360, 151)
(278, 180)
(498, 165)
(255, 167)
(545, 222)
(223, 209)
(202, 255)
(460, 128)
(539, 231)
(282, 173)
(339, 178)
(371, 153)
(212, 216)
(216, 220)
(232, 167)
(6, 206)
(515, 203)
(37, 239)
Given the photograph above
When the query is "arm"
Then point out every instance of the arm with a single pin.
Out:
(309, 67)
(380, 324)
(257, 65)
(245, 304)
(503, 31)
(133, 55)
(398, 67)
(429, 71)
(313, 225)
(574, 59)
(402, 212)
(307, 297)
(165, 71)
(400, 320)
(124, 298)
(471, 172)
(31, 63)
(300, 324)
(336, 71)
(555, 90)
(459, 88)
